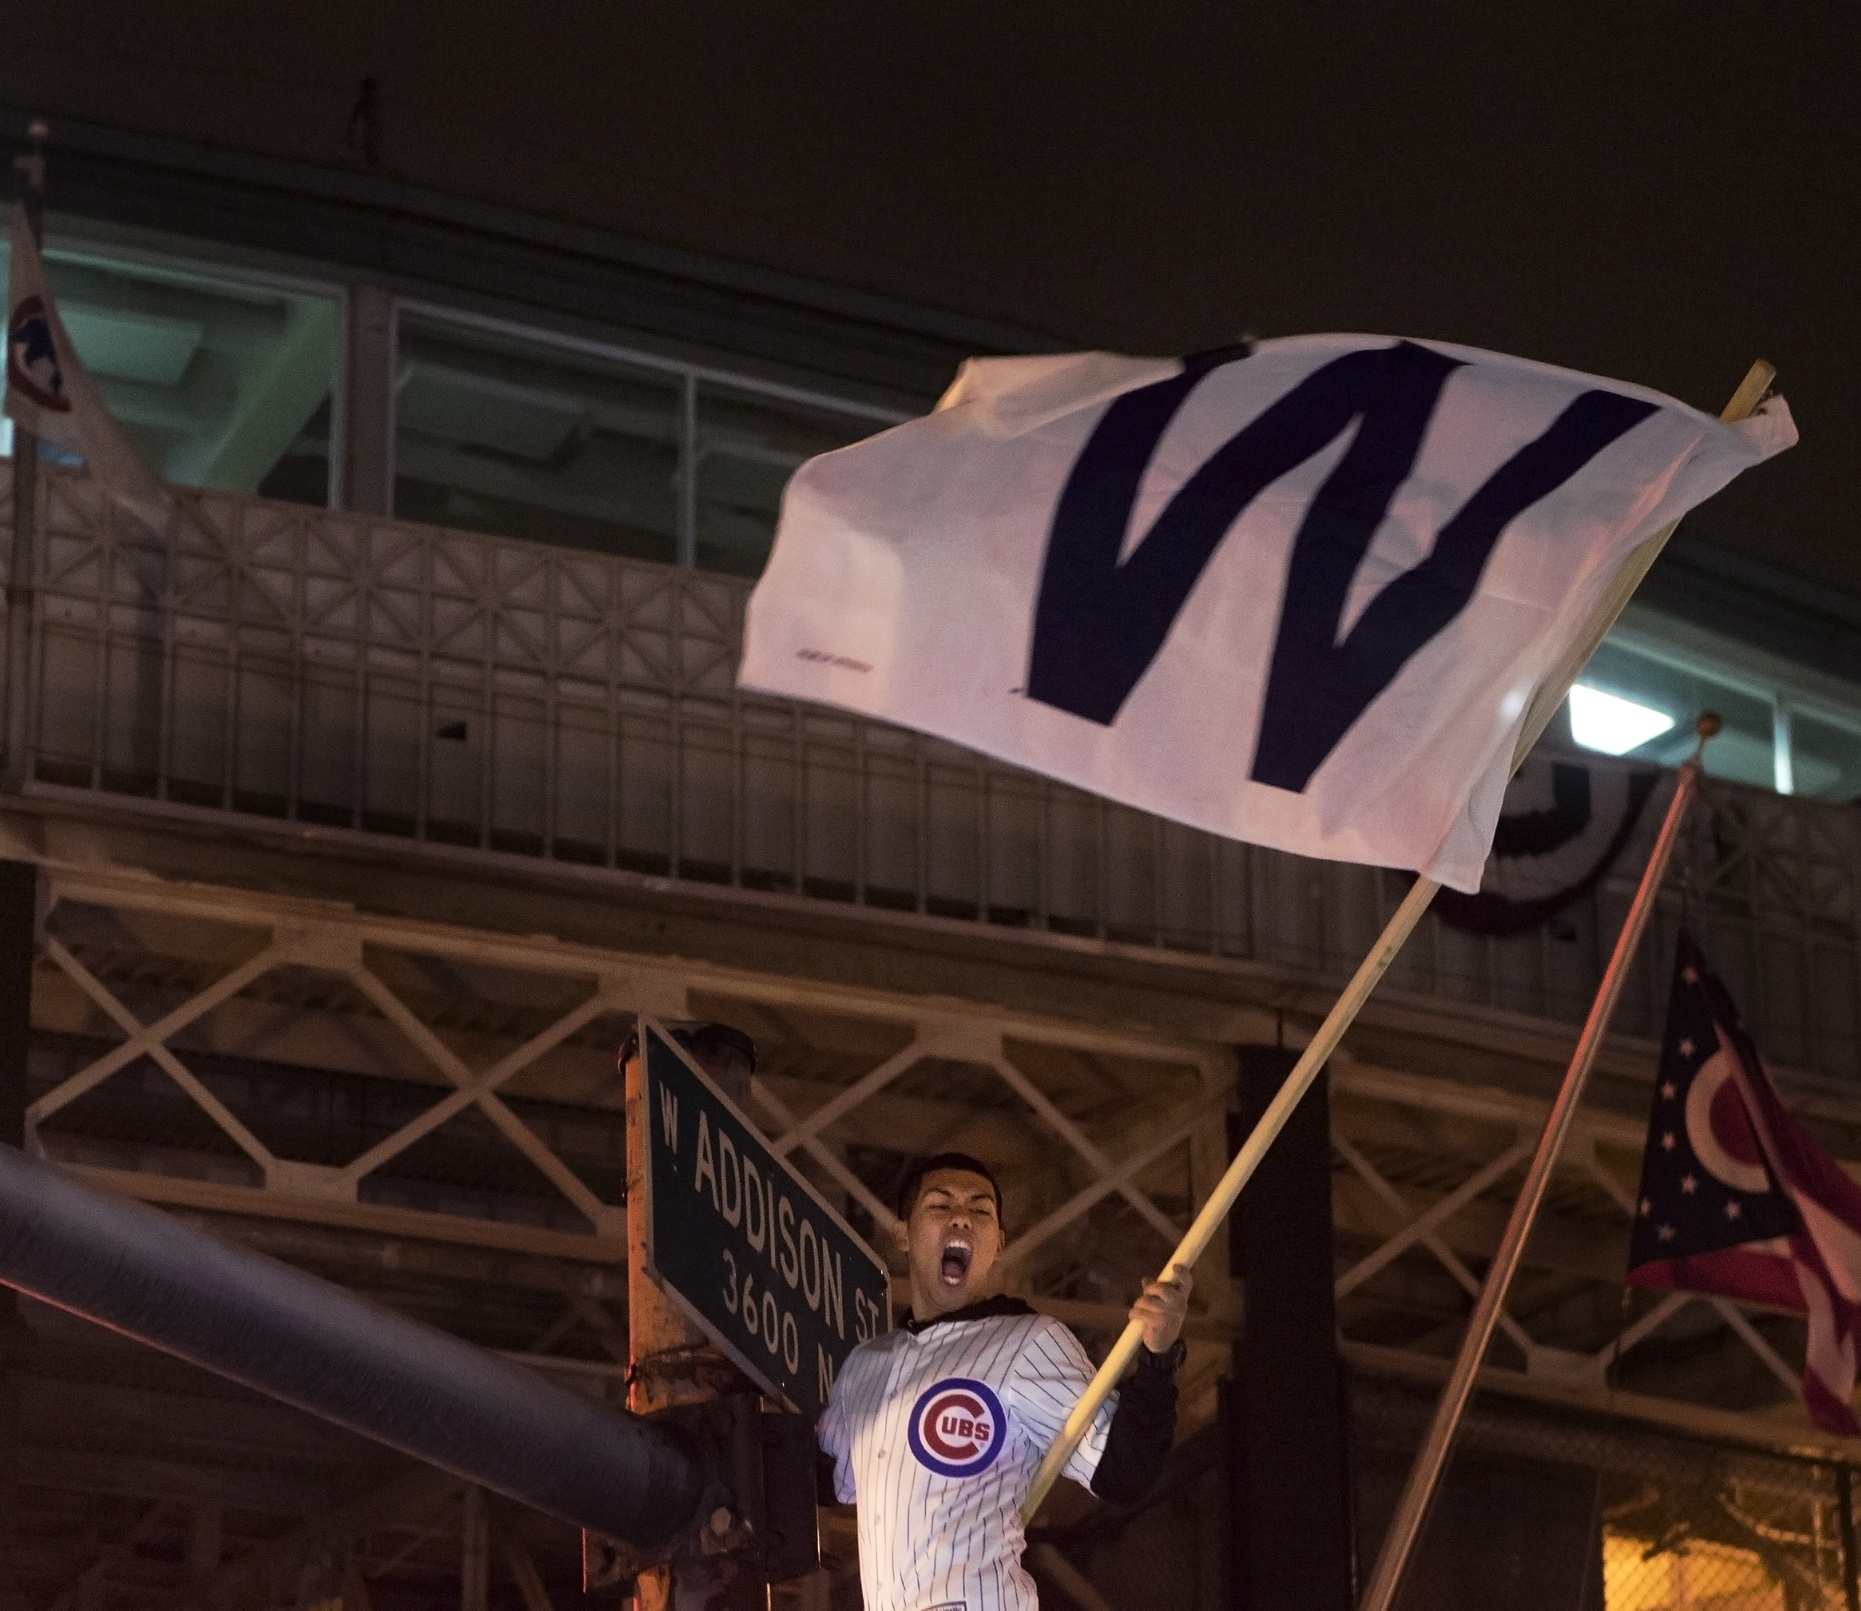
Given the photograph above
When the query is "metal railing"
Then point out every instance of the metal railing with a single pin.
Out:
(313, 666)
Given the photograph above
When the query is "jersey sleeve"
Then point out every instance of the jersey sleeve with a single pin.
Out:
(1050, 1374)
(835, 1437)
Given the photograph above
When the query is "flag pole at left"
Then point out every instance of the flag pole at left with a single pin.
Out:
(49, 391)
(52, 397)
(1550, 694)
(30, 171)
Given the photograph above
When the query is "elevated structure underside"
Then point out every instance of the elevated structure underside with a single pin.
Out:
(362, 841)
(427, 1110)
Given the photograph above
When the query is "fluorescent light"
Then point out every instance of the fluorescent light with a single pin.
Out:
(1612, 724)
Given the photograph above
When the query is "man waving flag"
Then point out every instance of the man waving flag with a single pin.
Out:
(50, 393)
(1300, 594)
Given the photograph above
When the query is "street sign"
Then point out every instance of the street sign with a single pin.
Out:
(743, 1244)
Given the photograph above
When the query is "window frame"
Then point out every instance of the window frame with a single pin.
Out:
(152, 249)
(1789, 690)
(690, 375)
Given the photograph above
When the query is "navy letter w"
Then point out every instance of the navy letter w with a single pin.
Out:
(1099, 624)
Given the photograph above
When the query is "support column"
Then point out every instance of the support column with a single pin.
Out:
(815, 1592)
(367, 446)
(1211, 1149)
(673, 1362)
(19, 891)
(474, 1552)
(522, 1566)
(1845, 1512)
(1289, 1467)
(205, 1543)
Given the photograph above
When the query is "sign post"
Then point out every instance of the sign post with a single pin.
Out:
(743, 1244)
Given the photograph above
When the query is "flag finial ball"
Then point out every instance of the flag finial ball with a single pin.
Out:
(1708, 725)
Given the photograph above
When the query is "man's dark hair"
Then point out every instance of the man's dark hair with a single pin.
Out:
(914, 1178)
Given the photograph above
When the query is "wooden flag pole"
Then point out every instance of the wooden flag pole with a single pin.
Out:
(1425, 1476)
(1253, 1149)
(1550, 696)
(1418, 1492)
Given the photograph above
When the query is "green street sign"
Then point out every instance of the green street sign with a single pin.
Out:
(746, 1246)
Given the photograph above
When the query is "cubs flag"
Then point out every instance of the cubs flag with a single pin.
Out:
(1299, 594)
(52, 394)
(1737, 1200)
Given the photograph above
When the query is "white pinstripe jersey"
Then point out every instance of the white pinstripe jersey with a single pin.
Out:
(936, 1435)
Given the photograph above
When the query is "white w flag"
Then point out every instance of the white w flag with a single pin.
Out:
(51, 393)
(1300, 596)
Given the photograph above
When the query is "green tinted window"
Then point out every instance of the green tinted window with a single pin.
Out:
(1745, 750)
(748, 446)
(222, 381)
(505, 433)
(1826, 758)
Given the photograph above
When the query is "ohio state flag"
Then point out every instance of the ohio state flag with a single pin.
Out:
(1736, 1199)
(1300, 594)
(52, 394)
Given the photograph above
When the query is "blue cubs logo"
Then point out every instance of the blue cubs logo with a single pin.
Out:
(32, 357)
(957, 1427)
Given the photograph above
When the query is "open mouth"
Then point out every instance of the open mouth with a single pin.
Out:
(953, 1267)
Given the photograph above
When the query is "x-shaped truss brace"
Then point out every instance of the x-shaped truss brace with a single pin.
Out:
(1674, 1302)
(335, 950)
(339, 953)
(965, 1042)
(1425, 1227)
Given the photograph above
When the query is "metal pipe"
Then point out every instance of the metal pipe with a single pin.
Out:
(1418, 1492)
(296, 1338)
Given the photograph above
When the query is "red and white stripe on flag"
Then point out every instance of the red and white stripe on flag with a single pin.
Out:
(1825, 1252)
(1738, 1200)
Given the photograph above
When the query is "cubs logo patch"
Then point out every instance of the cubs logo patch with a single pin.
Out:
(32, 357)
(957, 1427)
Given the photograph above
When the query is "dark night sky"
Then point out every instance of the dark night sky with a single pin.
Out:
(1655, 191)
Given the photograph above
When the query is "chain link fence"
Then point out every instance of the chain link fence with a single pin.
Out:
(1582, 1513)
(1541, 1510)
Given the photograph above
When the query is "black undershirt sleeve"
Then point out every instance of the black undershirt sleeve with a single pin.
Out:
(824, 1493)
(1142, 1429)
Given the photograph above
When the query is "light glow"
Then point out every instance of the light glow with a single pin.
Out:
(1611, 724)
